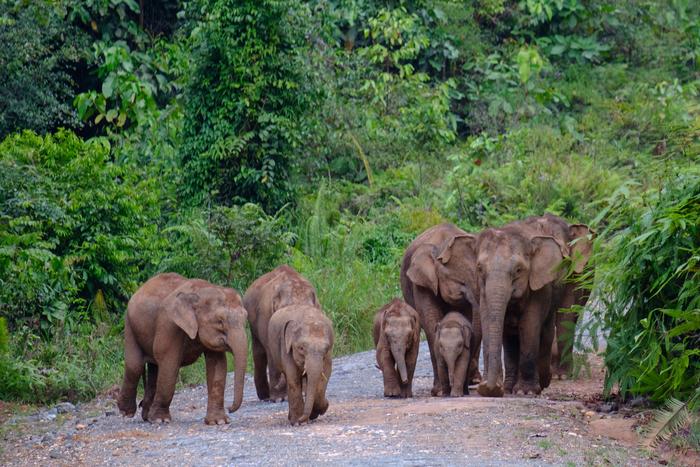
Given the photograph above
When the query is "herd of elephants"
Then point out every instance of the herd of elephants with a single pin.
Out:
(504, 285)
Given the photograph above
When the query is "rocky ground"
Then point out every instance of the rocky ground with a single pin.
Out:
(566, 425)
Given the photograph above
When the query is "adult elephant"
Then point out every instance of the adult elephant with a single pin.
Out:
(170, 321)
(438, 275)
(519, 285)
(279, 288)
(578, 242)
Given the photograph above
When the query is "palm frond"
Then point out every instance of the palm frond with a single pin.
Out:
(666, 422)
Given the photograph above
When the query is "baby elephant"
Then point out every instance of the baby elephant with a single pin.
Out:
(453, 339)
(397, 336)
(171, 321)
(300, 339)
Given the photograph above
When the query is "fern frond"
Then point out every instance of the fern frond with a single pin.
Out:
(666, 422)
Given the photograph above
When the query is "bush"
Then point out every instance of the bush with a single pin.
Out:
(650, 284)
(77, 232)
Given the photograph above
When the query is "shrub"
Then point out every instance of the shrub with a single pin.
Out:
(76, 230)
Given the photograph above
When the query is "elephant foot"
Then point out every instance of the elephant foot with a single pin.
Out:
(406, 393)
(216, 418)
(437, 389)
(475, 377)
(456, 393)
(278, 396)
(560, 373)
(145, 409)
(526, 388)
(392, 392)
(545, 380)
(158, 415)
(127, 408)
(485, 391)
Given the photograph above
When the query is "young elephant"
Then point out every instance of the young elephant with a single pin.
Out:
(281, 287)
(170, 321)
(453, 339)
(397, 337)
(301, 341)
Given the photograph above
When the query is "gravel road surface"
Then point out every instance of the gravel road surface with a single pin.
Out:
(360, 428)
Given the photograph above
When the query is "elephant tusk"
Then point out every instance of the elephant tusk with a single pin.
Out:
(304, 373)
(323, 375)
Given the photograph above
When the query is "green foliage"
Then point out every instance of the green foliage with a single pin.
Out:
(650, 284)
(231, 246)
(39, 56)
(73, 227)
(245, 103)
(672, 418)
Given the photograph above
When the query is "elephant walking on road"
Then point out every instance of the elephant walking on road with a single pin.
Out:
(170, 321)
(397, 338)
(301, 343)
(281, 287)
(454, 340)
(438, 275)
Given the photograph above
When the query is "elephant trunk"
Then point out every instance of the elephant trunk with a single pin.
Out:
(399, 354)
(313, 367)
(238, 342)
(451, 369)
(497, 295)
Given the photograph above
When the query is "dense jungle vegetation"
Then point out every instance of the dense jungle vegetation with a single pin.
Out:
(219, 138)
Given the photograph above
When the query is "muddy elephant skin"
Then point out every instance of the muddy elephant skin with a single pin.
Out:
(301, 342)
(518, 277)
(578, 239)
(453, 341)
(281, 287)
(438, 275)
(396, 335)
(170, 321)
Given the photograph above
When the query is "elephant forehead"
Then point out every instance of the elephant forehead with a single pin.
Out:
(317, 328)
(451, 332)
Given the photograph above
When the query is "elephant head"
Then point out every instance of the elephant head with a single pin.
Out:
(216, 317)
(511, 265)
(453, 338)
(581, 245)
(294, 292)
(400, 332)
(308, 339)
(448, 270)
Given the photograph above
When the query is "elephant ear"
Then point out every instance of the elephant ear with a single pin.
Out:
(462, 244)
(181, 311)
(546, 257)
(466, 336)
(581, 245)
(422, 270)
(290, 329)
(458, 255)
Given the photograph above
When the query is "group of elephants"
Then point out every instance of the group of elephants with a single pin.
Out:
(504, 285)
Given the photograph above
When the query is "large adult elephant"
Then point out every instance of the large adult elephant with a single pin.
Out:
(438, 275)
(578, 241)
(519, 285)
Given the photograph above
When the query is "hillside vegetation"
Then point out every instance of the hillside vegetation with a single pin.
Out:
(219, 138)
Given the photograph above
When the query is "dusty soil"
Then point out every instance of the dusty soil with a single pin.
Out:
(560, 427)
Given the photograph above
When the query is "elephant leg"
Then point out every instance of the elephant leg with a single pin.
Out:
(168, 368)
(443, 375)
(411, 359)
(511, 356)
(392, 387)
(149, 389)
(278, 392)
(262, 387)
(565, 324)
(430, 314)
(295, 398)
(216, 384)
(545, 356)
(133, 370)
(461, 386)
(321, 403)
(530, 328)
(474, 376)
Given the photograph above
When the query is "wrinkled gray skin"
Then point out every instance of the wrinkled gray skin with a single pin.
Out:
(396, 335)
(518, 287)
(438, 275)
(281, 287)
(453, 340)
(301, 342)
(578, 239)
(171, 321)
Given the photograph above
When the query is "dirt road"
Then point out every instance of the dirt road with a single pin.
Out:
(360, 428)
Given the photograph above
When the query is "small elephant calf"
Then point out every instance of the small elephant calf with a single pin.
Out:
(453, 340)
(397, 337)
(301, 341)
